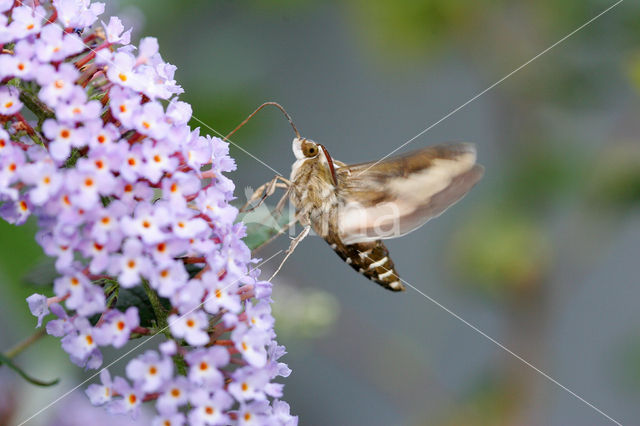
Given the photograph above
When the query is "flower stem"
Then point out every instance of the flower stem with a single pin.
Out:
(20, 346)
(156, 305)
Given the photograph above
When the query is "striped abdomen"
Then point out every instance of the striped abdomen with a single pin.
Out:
(371, 259)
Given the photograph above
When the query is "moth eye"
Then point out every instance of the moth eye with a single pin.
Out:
(309, 149)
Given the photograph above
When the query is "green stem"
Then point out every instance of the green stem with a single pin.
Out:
(35, 105)
(181, 365)
(163, 324)
(158, 309)
(20, 346)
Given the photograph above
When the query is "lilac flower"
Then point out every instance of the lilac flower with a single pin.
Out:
(250, 343)
(170, 278)
(255, 413)
(175, 394)
(249, 384)
(127, 194)
(26, 21)
(57, 84)
(38, 307)
(77, 14)
(81, 345)
(100, 394)
(54, 45)
(209, 409)
(149, 371)
(130, 401)
(115, 31)
(20, 64)
(282, 414)
(63, 137)
(191, 327)
(204, 364)
(117, 327)
(173, 419)
(9, 100)
(131, 264)
(61, 326)
(45, 178)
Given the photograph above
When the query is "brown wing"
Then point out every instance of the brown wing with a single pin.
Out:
(395, 196)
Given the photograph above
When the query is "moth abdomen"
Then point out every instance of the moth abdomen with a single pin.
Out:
(371, 259)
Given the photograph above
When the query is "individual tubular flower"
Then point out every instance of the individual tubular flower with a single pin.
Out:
(130, 200)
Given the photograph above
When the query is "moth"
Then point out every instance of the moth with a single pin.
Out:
(354, 207)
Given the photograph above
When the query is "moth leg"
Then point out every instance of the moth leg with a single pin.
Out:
(292, 247)
(282, 202)
(280, 232)
(265, 191)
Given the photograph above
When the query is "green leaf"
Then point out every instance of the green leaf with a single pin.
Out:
(136, 296)
(9, 363)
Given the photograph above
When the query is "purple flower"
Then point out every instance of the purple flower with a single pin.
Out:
(249, 384)
(223, 294)
(209, 409)
(150, 371)
(282, 414)
(254, 413)
(173, 419)
(100, 394)
(77, 14)
(131, 398)
(54, 45)
(81, 345)
(57, 85)
(26, 21)
(191, 327)
(117, 327)
(63, 138)
(45, 178)
(204, 366)
(38, 307)
(131, 264)
(250, 343)
(124, 191)
(114, 31)
(9, 100)
(175, 395)
(61, 326)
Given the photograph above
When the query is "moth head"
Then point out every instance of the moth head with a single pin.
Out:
(305, 148)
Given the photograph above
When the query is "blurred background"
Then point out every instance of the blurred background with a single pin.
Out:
(542, 255)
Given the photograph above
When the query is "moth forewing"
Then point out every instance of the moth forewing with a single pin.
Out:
(396, 196)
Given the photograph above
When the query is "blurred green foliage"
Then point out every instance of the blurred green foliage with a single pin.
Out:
(501, 253)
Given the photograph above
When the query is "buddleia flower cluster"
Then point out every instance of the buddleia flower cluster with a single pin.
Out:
(95, 144)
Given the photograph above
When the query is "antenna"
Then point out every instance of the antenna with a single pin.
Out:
(275, 104)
